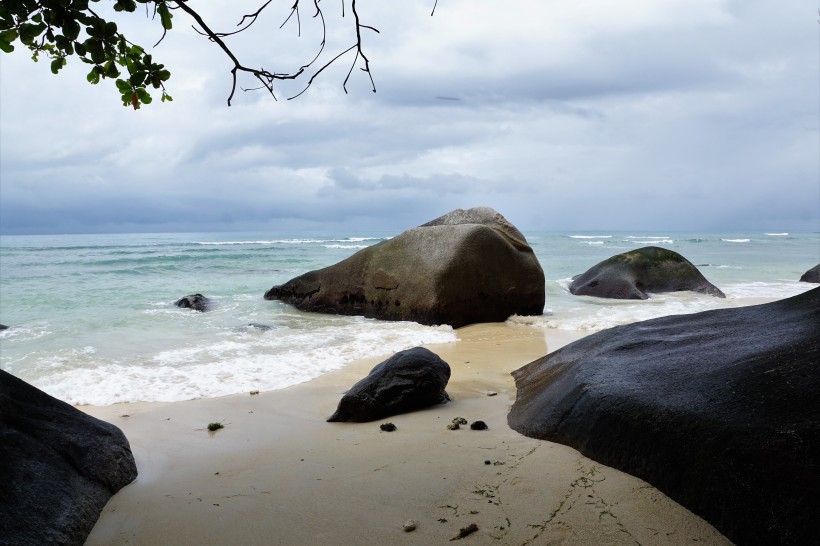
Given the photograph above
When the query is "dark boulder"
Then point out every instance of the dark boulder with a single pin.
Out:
(58, 467)
(719, 410)
(407, 381)
(3, 327)
(197, 302)
(812, 275)
(465, 267)
(633, 274)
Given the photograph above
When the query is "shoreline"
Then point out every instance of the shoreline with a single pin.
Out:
(279, 474)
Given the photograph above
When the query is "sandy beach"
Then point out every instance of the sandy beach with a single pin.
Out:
(277, 473)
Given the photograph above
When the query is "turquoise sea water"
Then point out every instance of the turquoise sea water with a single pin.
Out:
(92, 316)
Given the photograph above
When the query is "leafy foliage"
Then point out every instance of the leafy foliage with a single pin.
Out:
(60, 29)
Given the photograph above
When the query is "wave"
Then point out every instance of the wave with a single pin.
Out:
(590, 236)
(735, 240)
(291, 241)
(249, 360)
(346, 246)
(784, 234)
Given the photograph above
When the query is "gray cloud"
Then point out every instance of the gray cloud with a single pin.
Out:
(589, 115)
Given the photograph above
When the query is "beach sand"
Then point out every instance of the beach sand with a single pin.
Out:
(277, 473)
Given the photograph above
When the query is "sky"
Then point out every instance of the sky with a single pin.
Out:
(582, 115)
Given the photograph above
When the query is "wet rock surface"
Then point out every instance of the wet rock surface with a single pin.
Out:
(718, 409)
(466, 267)
(407, 381)
(59, 466)
(635, 274)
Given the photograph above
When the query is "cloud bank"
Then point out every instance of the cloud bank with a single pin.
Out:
(645, 114)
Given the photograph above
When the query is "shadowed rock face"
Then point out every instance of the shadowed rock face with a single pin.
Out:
(465, 267)
(633, 274)
(812, 275)
(407, 381)
(58, 467)
(719, 410)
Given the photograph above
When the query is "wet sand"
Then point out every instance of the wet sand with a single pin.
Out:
(277, 473)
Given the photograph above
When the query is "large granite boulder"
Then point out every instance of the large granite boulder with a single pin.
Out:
(720, 410)
(58, 467)
(812, 275)
(465, 267)
(633, 274)
(407, 381)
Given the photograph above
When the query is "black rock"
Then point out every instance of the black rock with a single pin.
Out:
(259, 326)
(197, 302)
(478, 425)
(633, 274)
(407, 381)
(58, 467)
(720, 410)
(812, 275)
(387, 427)
(3, 327)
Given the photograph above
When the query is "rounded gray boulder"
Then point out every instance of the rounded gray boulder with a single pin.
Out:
(466, 267)
(634, 274)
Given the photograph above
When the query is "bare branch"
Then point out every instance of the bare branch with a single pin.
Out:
(267, 78)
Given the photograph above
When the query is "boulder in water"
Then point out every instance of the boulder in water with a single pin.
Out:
(197, 302)
(812, 275)
(465, 267)
(633, 274)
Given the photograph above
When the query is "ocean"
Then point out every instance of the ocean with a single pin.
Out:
(92, 319)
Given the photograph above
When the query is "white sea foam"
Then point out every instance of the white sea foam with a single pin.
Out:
(591, 314)
(263, 360)
(777, 234)
(590, 236)
(735, 240)
(346, 246)
(289, 241)
(650, 240)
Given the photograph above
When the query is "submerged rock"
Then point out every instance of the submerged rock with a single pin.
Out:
(197, 302)
(3, 327)
(812, 275)
(58, 467)
(633, 274)
(465, 267)
(719, 410)
(407, 381)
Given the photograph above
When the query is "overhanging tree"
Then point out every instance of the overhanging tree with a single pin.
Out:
(62, 29)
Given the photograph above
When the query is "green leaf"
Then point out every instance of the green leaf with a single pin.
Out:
(93, 76)
(124, 87)
(6, 47)
(8, 36)
(111, 69)
(29, 32)
(57, 64)
(165, 16)
(166, 97)
(137, 78)
(143, 95)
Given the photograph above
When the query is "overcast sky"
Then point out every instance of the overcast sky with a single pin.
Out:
(562, 115)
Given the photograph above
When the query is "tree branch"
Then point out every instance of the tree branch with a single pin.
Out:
(268, 78)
